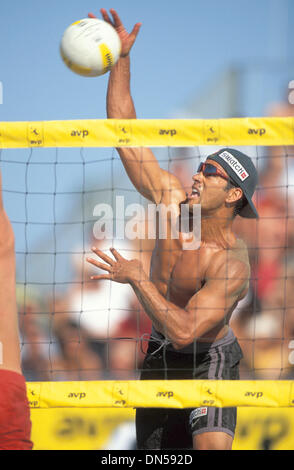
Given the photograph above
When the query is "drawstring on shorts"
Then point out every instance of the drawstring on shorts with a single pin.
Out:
(151, 338)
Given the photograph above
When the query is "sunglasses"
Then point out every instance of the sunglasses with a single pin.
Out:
(210, 170)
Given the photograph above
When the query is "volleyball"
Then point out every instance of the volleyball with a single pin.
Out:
(90, 47)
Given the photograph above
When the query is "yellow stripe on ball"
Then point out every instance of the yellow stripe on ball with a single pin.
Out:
(107, 57)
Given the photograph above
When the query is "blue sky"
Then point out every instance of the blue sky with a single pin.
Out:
(182, 47)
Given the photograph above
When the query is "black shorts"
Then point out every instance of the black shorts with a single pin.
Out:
(162, 428)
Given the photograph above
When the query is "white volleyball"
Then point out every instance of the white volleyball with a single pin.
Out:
(90, 47)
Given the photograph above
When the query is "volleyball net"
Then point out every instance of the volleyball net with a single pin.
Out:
(83, 342)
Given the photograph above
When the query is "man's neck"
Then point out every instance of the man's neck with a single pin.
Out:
(217, 231)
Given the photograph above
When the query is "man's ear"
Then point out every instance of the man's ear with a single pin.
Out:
(234, 195)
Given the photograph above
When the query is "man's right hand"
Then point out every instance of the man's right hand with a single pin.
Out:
(127, 39)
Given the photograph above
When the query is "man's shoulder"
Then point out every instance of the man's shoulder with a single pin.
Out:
(232, 262)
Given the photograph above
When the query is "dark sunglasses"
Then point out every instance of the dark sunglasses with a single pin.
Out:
(210, 170)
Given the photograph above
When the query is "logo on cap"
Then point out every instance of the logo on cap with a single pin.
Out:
(235, 165)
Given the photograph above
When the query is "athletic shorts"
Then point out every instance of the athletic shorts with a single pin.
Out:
(162, 428)
(15, 424)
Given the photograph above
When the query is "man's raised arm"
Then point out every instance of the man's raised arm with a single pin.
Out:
(140, 163)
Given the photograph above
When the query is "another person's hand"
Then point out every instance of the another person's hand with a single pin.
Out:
(119, 269)
(127, 39)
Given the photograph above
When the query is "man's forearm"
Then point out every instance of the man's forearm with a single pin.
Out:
(119, 101)
(168, 319)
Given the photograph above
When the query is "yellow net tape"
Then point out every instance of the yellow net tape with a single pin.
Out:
(147, 132)
(161, 394)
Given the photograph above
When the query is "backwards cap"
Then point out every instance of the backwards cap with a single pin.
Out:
(242, 171)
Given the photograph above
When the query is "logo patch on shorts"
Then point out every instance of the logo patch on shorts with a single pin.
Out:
(235, 165)
(196, 414)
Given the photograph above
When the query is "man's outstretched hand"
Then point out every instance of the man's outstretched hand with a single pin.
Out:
(127, 39)
(119, 269)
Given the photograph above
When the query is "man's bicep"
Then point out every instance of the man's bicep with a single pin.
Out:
(210, 306)
(212, 301)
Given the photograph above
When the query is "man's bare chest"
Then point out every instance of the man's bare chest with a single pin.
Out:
(178, 274)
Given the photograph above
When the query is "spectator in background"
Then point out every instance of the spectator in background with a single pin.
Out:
(99, 324)
(36, 344)
(278, 175)
(264, 323)
(267, 241)
(76, 359)
(257, 321)
(35, 348)
(54, 348)
(268, 333)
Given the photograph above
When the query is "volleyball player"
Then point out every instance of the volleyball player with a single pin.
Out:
(190, 295)
(15, 424)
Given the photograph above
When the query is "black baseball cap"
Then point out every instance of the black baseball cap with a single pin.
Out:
(242, 172)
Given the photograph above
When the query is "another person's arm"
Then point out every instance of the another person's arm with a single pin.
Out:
(9, 335)
(15, 424)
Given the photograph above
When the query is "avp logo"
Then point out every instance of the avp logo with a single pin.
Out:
(120, 402)
(170, 132)
(254, 394)
(33, 404)
(260, 131)
(291, 92)
(77, 395)
(165, 394)
(82, 133)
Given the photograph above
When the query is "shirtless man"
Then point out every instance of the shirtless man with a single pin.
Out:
(190, 295)
(15, 424)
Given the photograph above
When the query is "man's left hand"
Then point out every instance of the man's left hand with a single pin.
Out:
(119, 269)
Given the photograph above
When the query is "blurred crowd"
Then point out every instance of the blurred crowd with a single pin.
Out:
(264, 321)
(98, 330)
